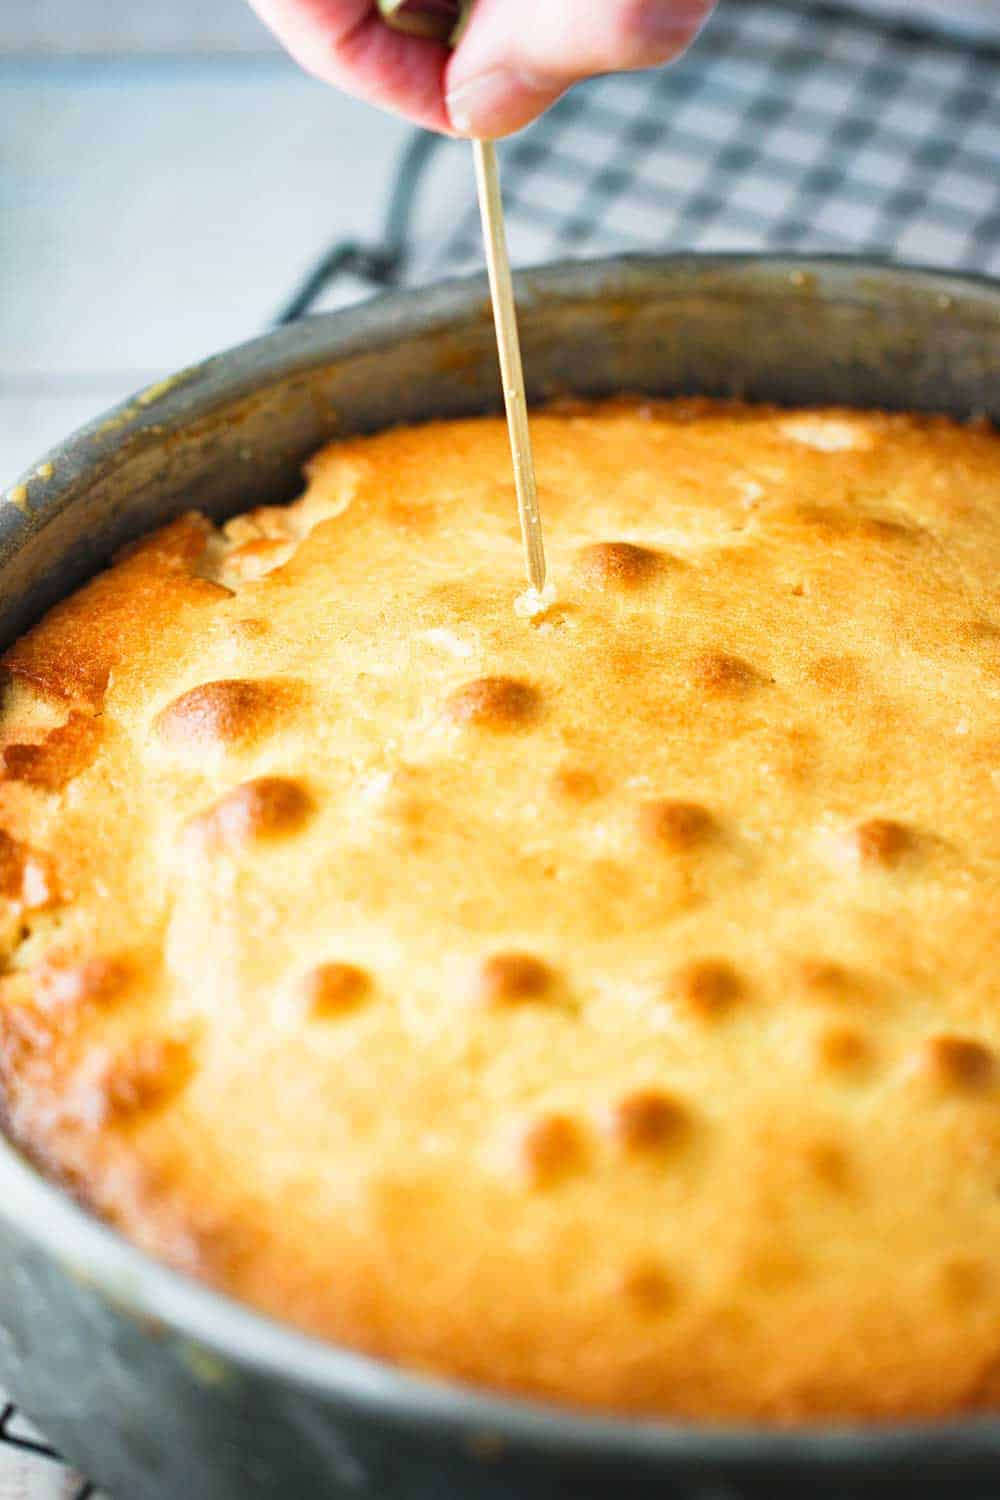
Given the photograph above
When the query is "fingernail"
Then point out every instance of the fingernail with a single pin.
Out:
(494, 103)
(668, 27)
(472, 105)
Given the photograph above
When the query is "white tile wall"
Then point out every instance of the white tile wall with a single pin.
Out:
(154, 209)
(127, 25)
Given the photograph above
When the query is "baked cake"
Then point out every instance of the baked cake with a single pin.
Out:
(602, 1006)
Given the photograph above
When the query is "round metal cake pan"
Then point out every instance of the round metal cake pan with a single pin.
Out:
(159, 1387)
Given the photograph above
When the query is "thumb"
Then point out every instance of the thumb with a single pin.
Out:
(517, 56)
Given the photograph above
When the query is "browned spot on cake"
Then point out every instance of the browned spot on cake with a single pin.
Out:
(881, 842)
(829, 1164)
(140, 1081)
(646, 1120)
(837, 674)
(549, 1149)
(269, 807)
(884, 529)
(626, 659)
(513, 979)
(250, 629)
(72, 653)
(414, 820)
(983, 1391)
(411, 515)
(571, 784)
(12, 862)
(451, 600)
(722, 675)
(231, 711)
(841, 1048)
(977, 632)
(65, 752)
(956, 1062)
(648, 1287)
(96, 981)
(617, 565)
(842, 523)
(793, 753)
(24, 876)
(707, 987)
(963, 1280)
(675, 826)
(824, 977)
(986, 644)
(500, 703)
(334, 989)
(773, 1266)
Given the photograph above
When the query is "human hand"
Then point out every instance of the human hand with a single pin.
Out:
(515, 57)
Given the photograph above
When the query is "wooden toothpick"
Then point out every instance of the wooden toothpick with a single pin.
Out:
(511, 369)
(443, 20)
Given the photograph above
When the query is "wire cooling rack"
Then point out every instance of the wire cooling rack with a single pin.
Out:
(786, 128)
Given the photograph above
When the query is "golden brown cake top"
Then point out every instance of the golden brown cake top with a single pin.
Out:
(604, 1006)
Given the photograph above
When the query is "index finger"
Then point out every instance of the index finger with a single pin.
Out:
(346, 43)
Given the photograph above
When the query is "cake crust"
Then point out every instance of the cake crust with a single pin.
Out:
(603, 1006)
